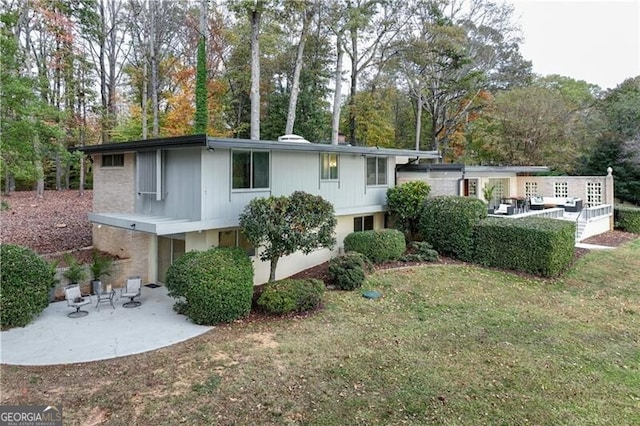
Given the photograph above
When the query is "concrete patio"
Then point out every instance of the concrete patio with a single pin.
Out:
(54, 338)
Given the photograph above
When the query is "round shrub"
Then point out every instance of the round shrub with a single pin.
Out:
(26, 280)
(448, 223)
(378, 246)
(291, 295)
(349, 271)
(215, 285)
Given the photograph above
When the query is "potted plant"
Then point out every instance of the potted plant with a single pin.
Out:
(75, 272)
(487, 193)
(99, 268)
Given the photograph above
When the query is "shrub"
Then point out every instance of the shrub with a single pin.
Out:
(405, 204)
(627, 219)
(539, 246)
(448, 222)
(378, 246)
(420, 251)
(291, 295)
(75, 272)
(216, 285)
(349, 271)
(26, 280)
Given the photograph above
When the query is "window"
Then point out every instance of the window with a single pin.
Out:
(112, 160)
(470, 188)
(329, 166)
(362, 223)
(149, 173)
(500, 191)
(594, 194)
(560, 189)
(250, 169)
(376, 170)
(473, 188)
(236, 238)
(530, 189)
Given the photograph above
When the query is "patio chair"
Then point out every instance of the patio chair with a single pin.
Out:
(76, 300)
(132, 290)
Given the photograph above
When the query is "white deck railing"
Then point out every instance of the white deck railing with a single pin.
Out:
(596, 211)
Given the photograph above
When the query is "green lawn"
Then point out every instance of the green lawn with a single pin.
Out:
(455, 345)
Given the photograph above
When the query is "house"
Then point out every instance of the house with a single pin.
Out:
(156, 199)
(595, 193)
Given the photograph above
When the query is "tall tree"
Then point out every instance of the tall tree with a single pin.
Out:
(202, 112)
(456, 51)
(619, 146)
(255, 14)
(308, 10)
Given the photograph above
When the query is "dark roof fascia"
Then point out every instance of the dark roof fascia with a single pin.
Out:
(214, 143)
(140, 145)
(438, 167)
(508, 169)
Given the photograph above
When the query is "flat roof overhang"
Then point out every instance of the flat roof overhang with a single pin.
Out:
(224, 143)
(163, 225)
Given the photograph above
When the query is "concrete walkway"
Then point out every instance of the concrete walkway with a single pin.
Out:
(593, 246)
(54, 338)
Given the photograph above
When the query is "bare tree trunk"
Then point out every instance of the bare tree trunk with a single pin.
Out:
(58, 172)
(419, 120)
(354, 85)
(272, 269)
(145, 98)
(154, 70)
(295, 86)
(83, 128)
(103, 79)
(255, 74)
(111, 112)
(37, 148)
(335, 120)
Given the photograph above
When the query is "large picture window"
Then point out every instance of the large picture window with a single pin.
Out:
(250, 169)
(376, 170)
(329, 166)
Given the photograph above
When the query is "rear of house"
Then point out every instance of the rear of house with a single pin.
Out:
(156, 199)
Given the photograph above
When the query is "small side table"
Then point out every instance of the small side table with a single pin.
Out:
(106, 296)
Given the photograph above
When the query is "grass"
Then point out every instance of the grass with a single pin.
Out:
(452, 345)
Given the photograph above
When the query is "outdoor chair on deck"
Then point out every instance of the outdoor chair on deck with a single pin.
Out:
(132, 290)
(76, 300)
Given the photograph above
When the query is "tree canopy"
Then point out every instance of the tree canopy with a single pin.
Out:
(280, 226)
(426, 74)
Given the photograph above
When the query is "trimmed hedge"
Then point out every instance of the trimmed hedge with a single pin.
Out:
(540, 246)
(378, 245)
(627, 219)
(291, 295)
(217, 285)
(26, 280)
(348, 272)
(448, 223)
